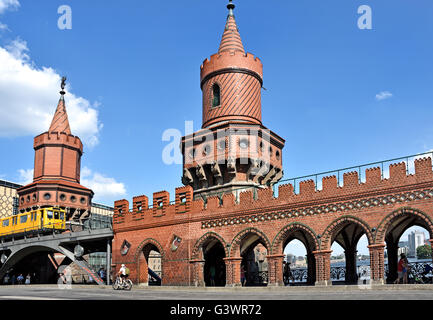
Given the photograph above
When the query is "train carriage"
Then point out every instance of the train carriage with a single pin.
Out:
(41, 220)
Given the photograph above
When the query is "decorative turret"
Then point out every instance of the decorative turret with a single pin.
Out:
(233, 150)
(56, 179)
(231, 80)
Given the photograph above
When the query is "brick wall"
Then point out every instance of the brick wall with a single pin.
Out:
(374, 205)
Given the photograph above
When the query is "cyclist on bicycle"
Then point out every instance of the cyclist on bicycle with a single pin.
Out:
(123, 273)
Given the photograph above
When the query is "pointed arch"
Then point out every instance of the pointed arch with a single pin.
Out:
(203, 239)
(338, 224)
(235, 249)
(419, 216)
(280, 238)
(144, 243)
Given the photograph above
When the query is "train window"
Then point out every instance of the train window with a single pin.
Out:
(62, 216)
(49, 214)
(14, 220)
(6, 223)
(56, 215)
(23, 219)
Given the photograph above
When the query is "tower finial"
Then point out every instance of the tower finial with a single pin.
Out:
(231, 6)
(63, 86)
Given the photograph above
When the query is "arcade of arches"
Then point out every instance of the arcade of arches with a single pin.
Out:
(346, 231)
(257, 254)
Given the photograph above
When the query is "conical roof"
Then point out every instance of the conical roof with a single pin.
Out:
(231, 40)
(60, 122)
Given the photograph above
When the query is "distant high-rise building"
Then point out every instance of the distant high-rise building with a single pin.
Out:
(403, 247)
(415, 239)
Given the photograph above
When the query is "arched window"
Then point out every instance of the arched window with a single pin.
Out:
(216, 101)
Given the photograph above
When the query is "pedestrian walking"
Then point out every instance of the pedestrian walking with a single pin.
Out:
(285, 280)
(402, 269)
(212, 273)
(243, 279)
(28, 279)
(20, 279)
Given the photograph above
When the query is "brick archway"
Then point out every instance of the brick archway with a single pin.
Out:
(198, 254)
(391, 229)
(280, 238)
(307, 236)
(141, 259)
(423, 220)
(235, 250)
(337, 225)
(200, 261)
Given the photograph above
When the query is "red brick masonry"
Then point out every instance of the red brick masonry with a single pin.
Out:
(376, 207)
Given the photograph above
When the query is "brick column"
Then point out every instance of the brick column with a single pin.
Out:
(143, 275)
(311, 271)
(323, 267)
(198, 269)
(431, 245)
(377, 263)
(351, 271)
(233, 271)
(392, 251)
(275, 270)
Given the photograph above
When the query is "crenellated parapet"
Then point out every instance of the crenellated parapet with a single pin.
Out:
(262, 205)
(228, 62)
(57, 139)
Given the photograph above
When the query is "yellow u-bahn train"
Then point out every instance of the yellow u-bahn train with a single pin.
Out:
(45, 219)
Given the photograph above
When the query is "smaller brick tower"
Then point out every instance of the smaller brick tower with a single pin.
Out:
(56, 179)
(233, 150)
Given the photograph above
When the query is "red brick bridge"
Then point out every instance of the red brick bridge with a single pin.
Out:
(192, 234)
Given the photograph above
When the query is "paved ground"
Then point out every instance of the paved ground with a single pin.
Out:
(78, 292)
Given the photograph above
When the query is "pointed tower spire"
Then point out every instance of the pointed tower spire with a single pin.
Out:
(231, 40)
(60, 121)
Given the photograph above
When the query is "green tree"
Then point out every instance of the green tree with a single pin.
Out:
(423, 252)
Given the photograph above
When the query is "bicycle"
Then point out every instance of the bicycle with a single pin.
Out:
(122, 285)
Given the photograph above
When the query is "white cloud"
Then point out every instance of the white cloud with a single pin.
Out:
(18, 48)
(383, 95)
(29, 97)
(3, 27)
(8, 4)
(102, 186)
(26, 176)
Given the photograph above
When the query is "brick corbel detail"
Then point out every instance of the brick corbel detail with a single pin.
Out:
(275, 270)
(233, 271)
(323, 267)
(377, 263)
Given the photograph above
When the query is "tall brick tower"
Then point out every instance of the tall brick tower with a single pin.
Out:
(233, 150)
(56, 180)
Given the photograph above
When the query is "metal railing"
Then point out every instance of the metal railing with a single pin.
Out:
(360, 169)
(338, 273)
(96, 224)
(339, 173)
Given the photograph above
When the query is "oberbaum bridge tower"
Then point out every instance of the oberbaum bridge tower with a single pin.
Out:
(234, 150)
(227, 206)
(56, 180)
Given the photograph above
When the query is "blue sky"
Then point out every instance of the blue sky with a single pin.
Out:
(133, 72)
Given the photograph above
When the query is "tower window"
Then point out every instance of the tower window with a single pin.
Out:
(216, 101)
